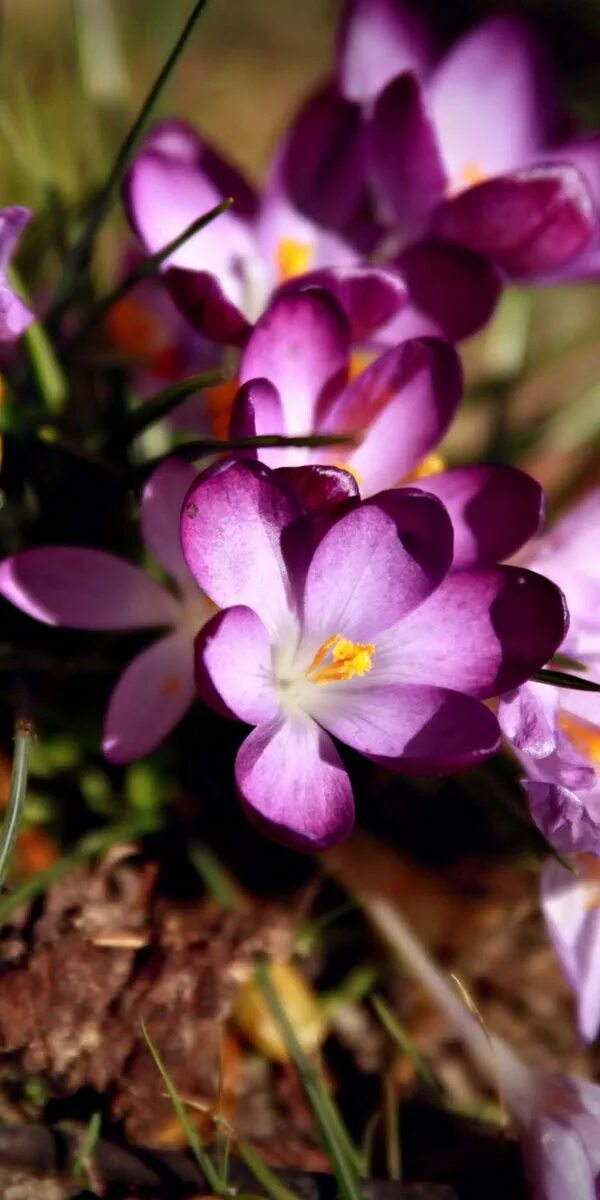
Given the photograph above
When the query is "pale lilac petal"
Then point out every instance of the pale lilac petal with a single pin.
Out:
(280, 221)
(231, 533)
(404, 158)
(292, 780)
(494, 510)
(531, 221)
(234, 673)
(84, 589)
(150, 698)
(368, 296)
(570, 906)
(375, 564)
(529, 718)
(257, 410)
(160, 515)
(584, 705)
(402, 403)
(15, 315)
(459, 290)
(410, 728)
(301, 344)
(482, 631)
(13, 221)
(567, 821)
(379, 40)
(491, 99)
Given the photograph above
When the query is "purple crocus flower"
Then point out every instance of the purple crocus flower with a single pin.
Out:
(82, 588)
(223, 277)
(350, 627)
(15, 316)
(556, 735)
(399, 408)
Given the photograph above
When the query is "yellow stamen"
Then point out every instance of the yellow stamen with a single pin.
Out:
(338, 659)
(432, 464)
(470, 174)
(359, 360)
(293, 258)
(584, 736)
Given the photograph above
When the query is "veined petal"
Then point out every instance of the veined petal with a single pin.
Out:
(402, 404)
(529, 719)
(491, 99)
(301, 344)
(533, 220)
(379, 40)
(233, 666)
(151, 697)
(292, 780)
(481, 631)
(404, 157)
(376, 564)
(494, 510)
(409, 728)
(231, 533)
(84, 589)
(570, 823)
(160, 515)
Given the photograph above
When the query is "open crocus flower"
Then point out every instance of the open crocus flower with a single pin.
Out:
(81, 588)
(350, 628)
(15, 316)
(223, 277)
(398, 408)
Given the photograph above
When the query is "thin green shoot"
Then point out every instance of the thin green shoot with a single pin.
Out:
(400, 1037)
(18, 792)
(80, 1167)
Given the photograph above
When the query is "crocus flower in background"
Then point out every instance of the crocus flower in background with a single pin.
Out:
(293, 374)
(223, 277)
(82, 588)
(15, 316)
(350, 628)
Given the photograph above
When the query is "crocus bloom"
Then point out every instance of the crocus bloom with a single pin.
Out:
(81, 588)
(350, 627)
(398, 408)
(558, 1117)
(223, 277)
(15, 316)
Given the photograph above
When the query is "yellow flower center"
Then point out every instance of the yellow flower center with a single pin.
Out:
(339, 659)
(293, 258)
(470, 174)
(584, 736)
(432, 464)
(359, 360)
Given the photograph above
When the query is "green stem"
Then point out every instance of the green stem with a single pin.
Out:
(265, 1176)
(164, 402)
(50, 379)
(562, 679)
(18, 792)
(81, 252)
(144, 269)
(199, 449)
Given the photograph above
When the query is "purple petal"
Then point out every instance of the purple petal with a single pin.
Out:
(375, 564)
(179, 141)
(483, 631)
(529, 719)
(292, 780)
(528, 222)
(233, 666)
(455, 287)
(570, 906)
(15, 315)
(404, 157)
(231, 534)
(323, 168)
(150, 699)
(566, 820)
(201, 299)
(491, 99)
(494, 511)
(301, 344)
(319, 487)
(13, 221)
(84, 589)
(369, 296)
(160, 515)
(257, 410)
(380, 39)
(402, 403)
(409, 728)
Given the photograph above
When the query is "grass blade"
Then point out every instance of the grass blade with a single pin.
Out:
(263, 1173)
(18, 791)
(164, 402)
(402, 1040)
(342, 1154)
(563, 679)
(81, 252)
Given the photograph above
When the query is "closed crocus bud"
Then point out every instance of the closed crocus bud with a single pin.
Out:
(255, 1020)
